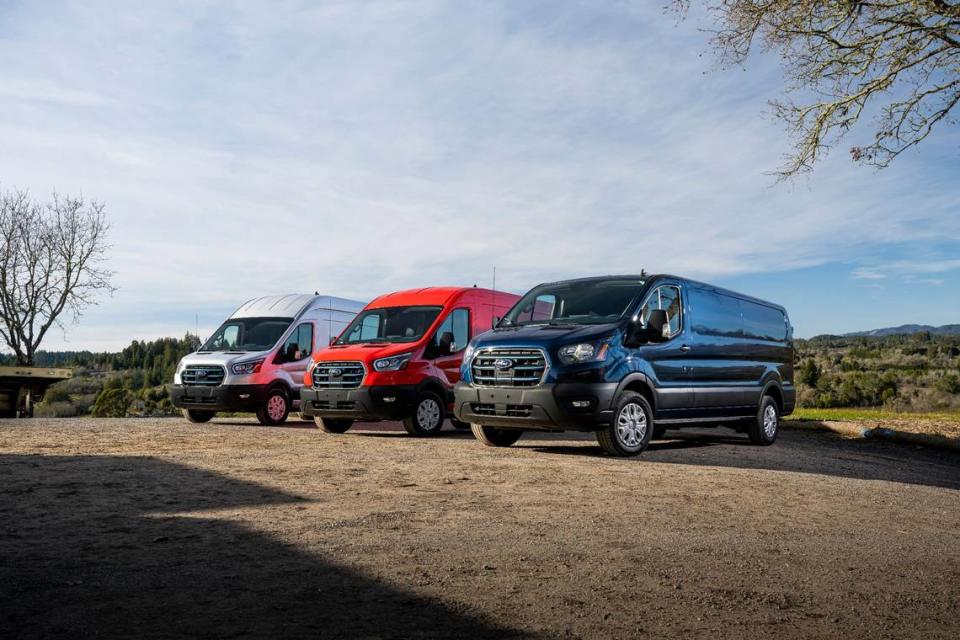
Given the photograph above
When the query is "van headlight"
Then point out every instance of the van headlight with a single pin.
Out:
(393, 363)
(246, 368)
(468, 353)
(583, 352)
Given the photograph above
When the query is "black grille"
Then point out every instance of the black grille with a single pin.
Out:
(342, 405)
(526, 368)
(510, 410)
(198, 375)
(338, 375)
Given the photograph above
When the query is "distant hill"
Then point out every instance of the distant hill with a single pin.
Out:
(908, 329)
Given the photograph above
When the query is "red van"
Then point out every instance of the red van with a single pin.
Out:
(399, 359)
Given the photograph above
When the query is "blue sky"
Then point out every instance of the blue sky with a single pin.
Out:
(244, 149)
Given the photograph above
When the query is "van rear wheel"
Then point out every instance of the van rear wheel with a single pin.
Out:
(333, 425)
(493, 437)
(198, 416)
(428, 416)
(629, 433)
(763, 431)
(275, 408)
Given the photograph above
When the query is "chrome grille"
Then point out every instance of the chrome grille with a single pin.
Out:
(338, 375)
(527, 368)
(198, 375)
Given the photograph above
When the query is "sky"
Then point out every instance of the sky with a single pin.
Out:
(356, 148)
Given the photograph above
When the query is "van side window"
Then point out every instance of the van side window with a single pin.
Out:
(761, 322)
(452, 336)
(667, 298)
(715, 314)
(299, 345)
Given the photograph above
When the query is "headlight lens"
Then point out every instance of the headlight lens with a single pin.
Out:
(583, 352)
(393, 363)
(468, 353)
(246, 368)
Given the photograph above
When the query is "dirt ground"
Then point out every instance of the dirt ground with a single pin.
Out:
(157, 528)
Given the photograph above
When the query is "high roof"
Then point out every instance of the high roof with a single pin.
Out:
(291, 305)
(427, 296)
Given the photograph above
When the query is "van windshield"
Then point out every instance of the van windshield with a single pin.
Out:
(247, 334)
(390, 324)
(585, 302)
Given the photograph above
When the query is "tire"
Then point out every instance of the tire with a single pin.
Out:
(763, 431)
(333, 425)
(631, 429)
(428, 415)
(457, 424)
(275, 408)
(198, 416)
(493, 437)
(659, 432)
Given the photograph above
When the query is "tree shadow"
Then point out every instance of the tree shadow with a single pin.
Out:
(88, 548)
(796, 450)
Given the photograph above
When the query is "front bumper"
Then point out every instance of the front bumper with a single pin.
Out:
(548, 407)
(230, 397)
(388, 402)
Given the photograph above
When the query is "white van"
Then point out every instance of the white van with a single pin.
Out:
(257, 359)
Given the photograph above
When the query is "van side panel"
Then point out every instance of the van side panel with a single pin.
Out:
(742, 346)
(718, 374)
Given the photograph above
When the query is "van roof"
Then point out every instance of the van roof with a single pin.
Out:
(293, 305)
(432, 296)
(650, 277)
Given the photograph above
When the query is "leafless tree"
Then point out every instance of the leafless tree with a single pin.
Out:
(897, 61)
(51, 262)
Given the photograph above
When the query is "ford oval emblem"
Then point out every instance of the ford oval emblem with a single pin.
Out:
(503, 363)
(335, 372)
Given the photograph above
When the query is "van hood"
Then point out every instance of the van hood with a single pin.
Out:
(547, 336)
(364, 352)
(223, 358)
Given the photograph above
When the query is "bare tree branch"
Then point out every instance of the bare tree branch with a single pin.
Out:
(51, 262)
(899, 59)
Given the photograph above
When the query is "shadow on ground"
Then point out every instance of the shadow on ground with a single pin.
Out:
(88, 548)
(801, 450)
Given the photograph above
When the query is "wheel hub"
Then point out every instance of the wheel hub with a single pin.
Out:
(631, 425)
(428, 414)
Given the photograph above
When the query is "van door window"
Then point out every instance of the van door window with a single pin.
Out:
(452, 336)
(299, 345)
(667, 298)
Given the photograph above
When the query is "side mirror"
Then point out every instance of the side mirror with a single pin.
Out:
(496, 321)
(658, 326)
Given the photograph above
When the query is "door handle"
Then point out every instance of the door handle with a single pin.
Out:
(685, 347)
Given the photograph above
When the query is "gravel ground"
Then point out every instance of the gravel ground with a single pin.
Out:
(157, 528)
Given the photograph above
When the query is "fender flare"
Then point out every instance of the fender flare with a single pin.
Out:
(435, 384)
(643, 379)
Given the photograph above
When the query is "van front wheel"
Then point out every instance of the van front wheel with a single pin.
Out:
(629, 433)
(198, 416)
(333, 425)
(493, 437)
(428, 416)
(275, 408)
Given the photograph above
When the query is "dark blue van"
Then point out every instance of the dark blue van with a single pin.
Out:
(629, 357)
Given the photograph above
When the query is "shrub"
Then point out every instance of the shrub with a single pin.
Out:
(949, 383)
(112, 403)
(58, 409)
